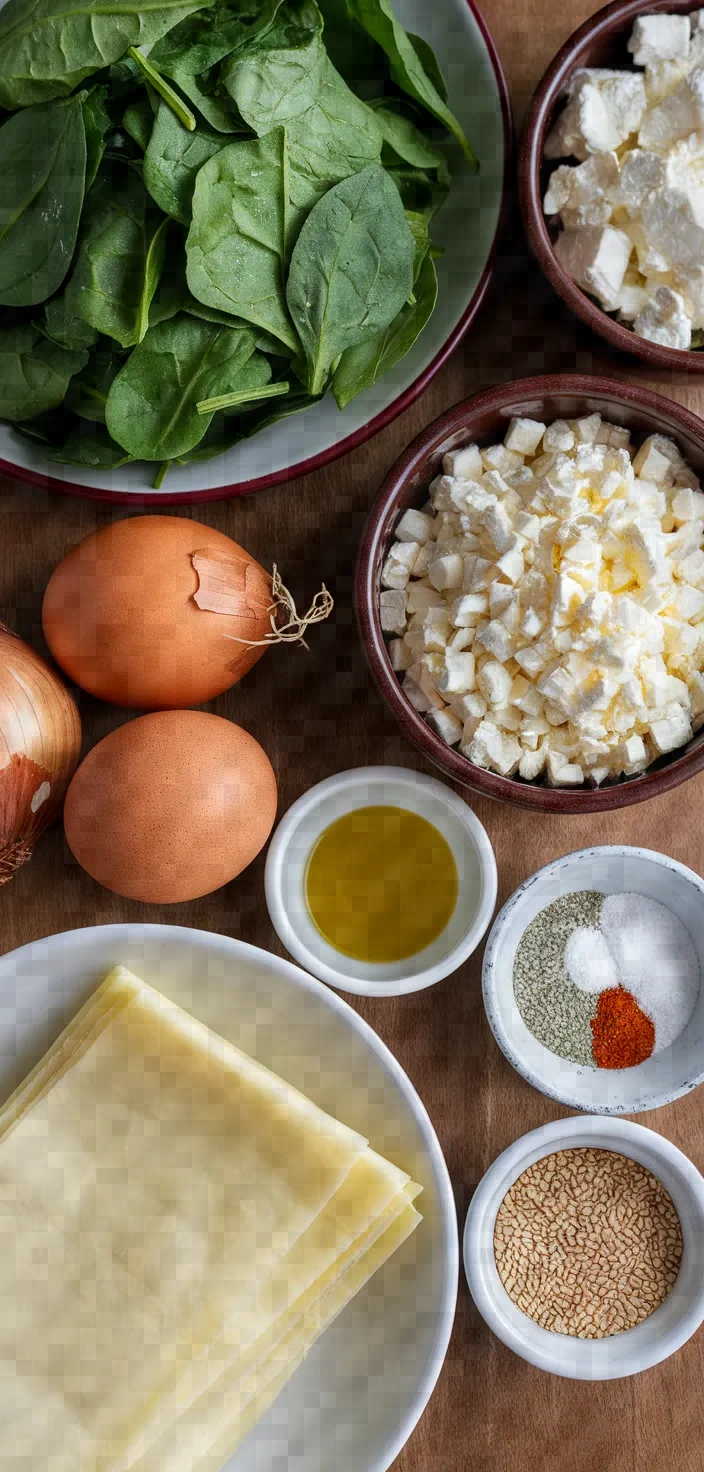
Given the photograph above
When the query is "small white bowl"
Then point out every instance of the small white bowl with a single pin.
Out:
(362, 787)
(611, 869)
(666, 1330)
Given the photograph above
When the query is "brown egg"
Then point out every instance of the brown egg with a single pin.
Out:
(148, 612)
(170, 806)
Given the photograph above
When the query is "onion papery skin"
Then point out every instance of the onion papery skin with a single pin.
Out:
(157, 613)
(40, 743)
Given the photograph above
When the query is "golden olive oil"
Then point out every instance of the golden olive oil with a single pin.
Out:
(381, 884)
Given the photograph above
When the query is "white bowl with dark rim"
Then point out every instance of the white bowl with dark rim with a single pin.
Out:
(611, 869)
(466, 230)
(658, 1336)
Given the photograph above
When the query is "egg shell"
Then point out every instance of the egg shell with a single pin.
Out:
(170, 806)
(121, 618)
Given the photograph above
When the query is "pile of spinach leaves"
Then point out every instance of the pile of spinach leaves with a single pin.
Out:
(211, 214)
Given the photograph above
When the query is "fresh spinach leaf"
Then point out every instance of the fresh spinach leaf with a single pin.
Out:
(43, 171)
(418, 226)
(117, 263)
(407, 69)
(90, 445)
(264, 341)
(205, 94)
(172, 161)
(152, 404)
(237, 398)
(96, 119)
(421, 192)
(429, 63)
(228, 430)
(150, 74)
(408, 142)
(364, 365)
(289, 80)
(63, 327)
(48, 46)
(153, 267)
(236, 244)
(138, 121)
(198, 43)
(34, 372)
(351, 50)
(87, 393)
(351, 269)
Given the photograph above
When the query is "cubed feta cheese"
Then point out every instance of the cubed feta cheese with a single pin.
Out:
(446, 724)
(596, 258)
(468, 609)
(670, 733)
(532, 763)
(524, 435)
(496, 639)
(664, 318)
(401, 656)
(392, 611)
(494, 682)
(414, 526)
(465, 463)
(446, 571)
(420, 597)
(659, 38)
(678, 115)
(457, 678)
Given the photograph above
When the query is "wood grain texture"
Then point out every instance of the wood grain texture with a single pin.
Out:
(316, 714)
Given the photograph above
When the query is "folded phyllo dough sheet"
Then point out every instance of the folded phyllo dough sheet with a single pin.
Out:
(177, 1227)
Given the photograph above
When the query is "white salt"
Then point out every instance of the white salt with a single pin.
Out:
(655, 960)
(588, 960)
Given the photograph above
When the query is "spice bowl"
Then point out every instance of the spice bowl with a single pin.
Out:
(619, 1354)
(610, 870)
(295, 839)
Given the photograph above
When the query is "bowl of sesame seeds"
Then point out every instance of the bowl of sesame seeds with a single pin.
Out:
(584, 1248)
(593, 980)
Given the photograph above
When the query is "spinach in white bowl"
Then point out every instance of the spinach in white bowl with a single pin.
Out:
(211, 217)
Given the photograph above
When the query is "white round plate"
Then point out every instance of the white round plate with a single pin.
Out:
(356, 1399)
(465, 228)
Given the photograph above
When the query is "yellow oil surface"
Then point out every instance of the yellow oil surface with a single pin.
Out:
(381, 884)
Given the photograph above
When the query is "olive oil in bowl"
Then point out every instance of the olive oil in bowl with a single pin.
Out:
(381, 884)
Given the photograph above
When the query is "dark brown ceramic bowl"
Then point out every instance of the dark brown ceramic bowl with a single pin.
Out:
(601, 41)
(485, 419)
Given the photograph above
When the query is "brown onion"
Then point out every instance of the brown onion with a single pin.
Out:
(40, 742)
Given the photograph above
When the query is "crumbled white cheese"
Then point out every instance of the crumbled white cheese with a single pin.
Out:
(632, 209)
(583, 661)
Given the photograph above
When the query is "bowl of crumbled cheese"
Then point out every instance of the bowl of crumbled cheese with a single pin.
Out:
(530, 593)
(593, 980)
(611, 178)
(583, 1248)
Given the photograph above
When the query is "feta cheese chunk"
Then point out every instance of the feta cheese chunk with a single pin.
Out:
(524, 435)
(596, 258)
(659, 38)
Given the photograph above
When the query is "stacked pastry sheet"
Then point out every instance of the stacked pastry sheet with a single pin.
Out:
(177, 1228)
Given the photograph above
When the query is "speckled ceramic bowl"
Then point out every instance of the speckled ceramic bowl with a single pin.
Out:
(660, 1335)
(611, 869)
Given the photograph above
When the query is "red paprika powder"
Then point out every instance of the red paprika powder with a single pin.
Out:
(622, 1035)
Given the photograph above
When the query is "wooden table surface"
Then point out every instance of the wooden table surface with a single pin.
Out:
(316, 714)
